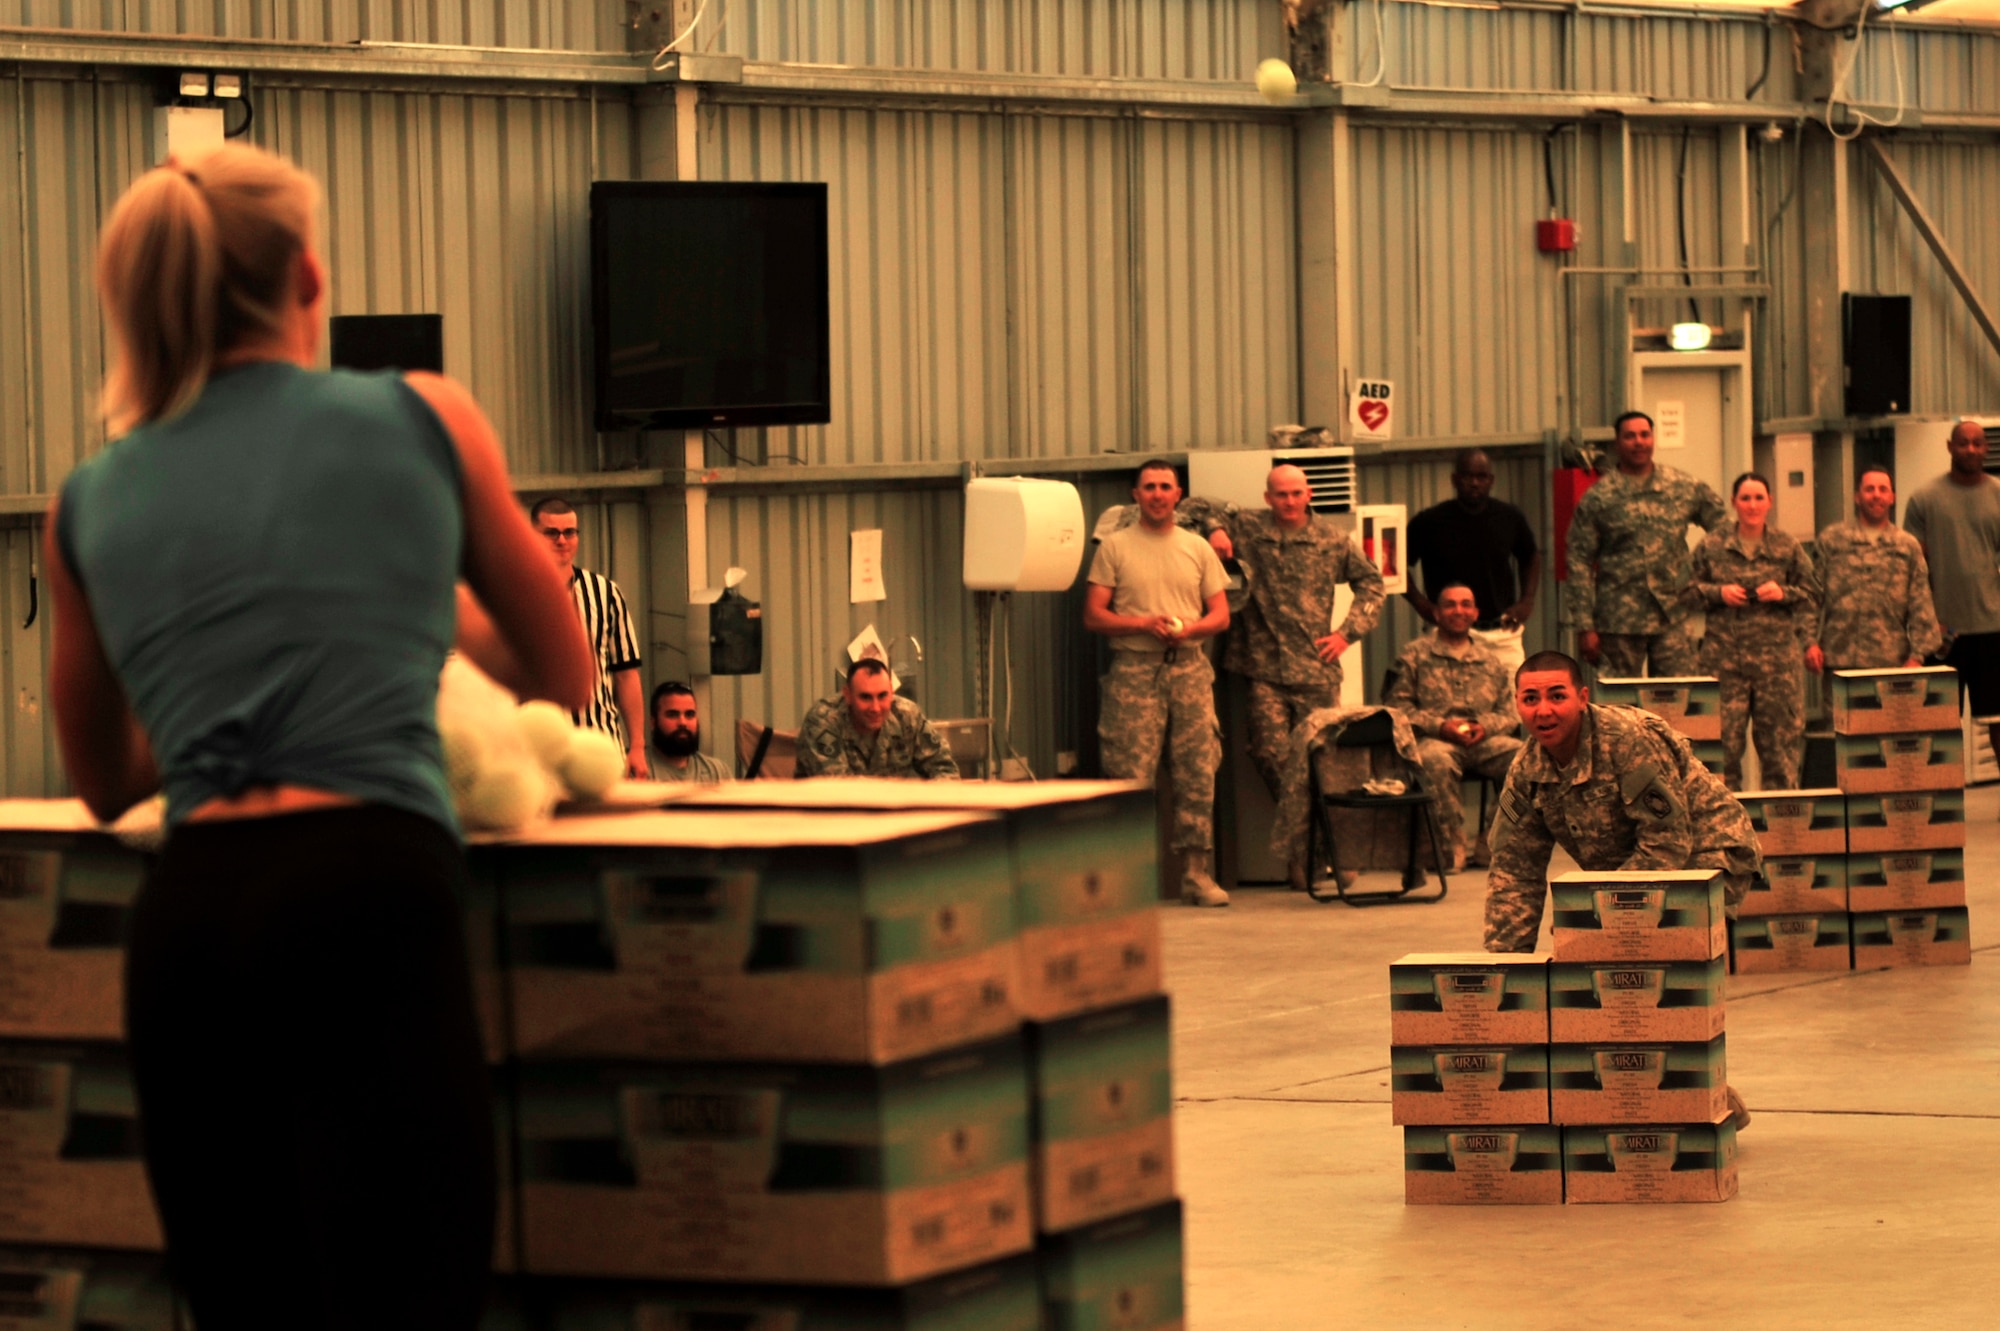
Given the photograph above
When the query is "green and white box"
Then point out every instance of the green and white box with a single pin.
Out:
(1608, 1001)
(1638, 1083)
(1691, 704)
(1906, 760)
(1117, 1275)
(1482, 1166)
(1641, 915)
(1102, 1139)
(70, 1171)
(828, 937)
(995, 1296)
(1085, 857)
(1798, 822)
(807, 1173)
(1913, 820)
(1454, 1084)
(1875, 702)
(66, 894)
(1798, 885)
(72, 1290)
(1708, 752)
(1468, 998)
(1906, 880)
(1672, 1162)
(1768, 944)
(1941, 937)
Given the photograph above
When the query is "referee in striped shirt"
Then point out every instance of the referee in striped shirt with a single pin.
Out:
(618, 705)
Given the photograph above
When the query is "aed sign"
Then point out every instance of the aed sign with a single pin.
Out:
(1371, 411)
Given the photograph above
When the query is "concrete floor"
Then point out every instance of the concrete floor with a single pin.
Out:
(1863, 1199)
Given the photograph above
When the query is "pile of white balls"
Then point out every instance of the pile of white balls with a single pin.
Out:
(509, 762)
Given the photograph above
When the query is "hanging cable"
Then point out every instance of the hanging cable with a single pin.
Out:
(1549, 167)
(1838, 94)
(1765, 73)
(1381, 49)
(1681, 220)
(659, 60)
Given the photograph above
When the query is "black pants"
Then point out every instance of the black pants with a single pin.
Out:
(316, 1111)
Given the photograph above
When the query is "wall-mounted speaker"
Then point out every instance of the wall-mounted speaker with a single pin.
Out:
(388, 342)
(1875, 348)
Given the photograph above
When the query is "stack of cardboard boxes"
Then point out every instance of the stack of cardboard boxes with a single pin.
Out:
(1595, 1076)
(1691, 704)
(1873, 873)
(79, 1242)
(772, 1057)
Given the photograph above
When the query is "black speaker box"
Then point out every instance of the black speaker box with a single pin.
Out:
(388, 342)
(1875, 346)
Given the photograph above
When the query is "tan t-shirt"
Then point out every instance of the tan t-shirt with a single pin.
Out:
(1156, 573)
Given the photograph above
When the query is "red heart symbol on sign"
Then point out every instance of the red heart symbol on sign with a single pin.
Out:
(1373, 413)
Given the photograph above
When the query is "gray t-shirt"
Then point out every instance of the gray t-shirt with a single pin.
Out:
(1960, 528)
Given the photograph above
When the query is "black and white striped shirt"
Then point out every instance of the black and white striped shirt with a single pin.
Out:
(608, 626)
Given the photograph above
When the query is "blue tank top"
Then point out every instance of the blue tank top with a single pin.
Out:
(272, 574)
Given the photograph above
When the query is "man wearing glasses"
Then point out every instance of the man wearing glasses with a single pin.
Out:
(618, 706)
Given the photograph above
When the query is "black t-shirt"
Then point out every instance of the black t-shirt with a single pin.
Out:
(1452, 545)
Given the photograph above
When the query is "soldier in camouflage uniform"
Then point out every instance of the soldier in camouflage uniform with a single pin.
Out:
(1284, 642)
(1158, 591)
(866, 730)
(1455, 694)
(1628, 559)
(1763, 601)
(1615, 787)
(1875, 608)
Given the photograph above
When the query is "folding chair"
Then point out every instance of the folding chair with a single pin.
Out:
(1372, 732)
(764, 753)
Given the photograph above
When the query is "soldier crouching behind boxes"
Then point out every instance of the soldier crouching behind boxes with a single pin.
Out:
(1618, 789)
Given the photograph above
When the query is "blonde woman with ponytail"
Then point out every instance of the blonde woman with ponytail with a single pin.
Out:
(255, 585)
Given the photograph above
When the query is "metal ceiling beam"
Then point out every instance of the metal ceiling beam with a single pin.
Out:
(1933, 237)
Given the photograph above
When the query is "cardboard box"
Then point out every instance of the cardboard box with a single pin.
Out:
(1941, 937)
(1482, 1165)
(65, 904)
(1468, 998)
(1675, 1162)
(995, 1296)
(779, 936)
(1638, 1083)
(1085, 858)
(1877, 702)
(70, 1171)
(1123, 1274)
(1102, 1113)
(57, 1290)
(1765, 944)
(1923, 820)
(1646, 915)
(1596, 1002)
(1798, 885)
(1906, 880)
(1454, 1084)
(803, 1173)
(1691, 704)
(1708, 752)
(1798, 822)
(1906, 760)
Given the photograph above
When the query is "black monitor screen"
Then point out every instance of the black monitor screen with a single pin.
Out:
(710, 304)
(387, 342)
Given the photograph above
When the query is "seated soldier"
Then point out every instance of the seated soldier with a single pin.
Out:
(1455, 694)
(866, 730)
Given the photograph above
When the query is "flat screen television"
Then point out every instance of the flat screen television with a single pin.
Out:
(709, 301)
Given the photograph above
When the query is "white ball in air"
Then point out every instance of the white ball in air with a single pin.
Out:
(547, 729)
(503, 798)
(1276, 81)
(593, 764)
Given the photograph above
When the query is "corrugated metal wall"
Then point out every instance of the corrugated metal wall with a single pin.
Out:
(553, 25)
(1035, 286)
(1143, 39)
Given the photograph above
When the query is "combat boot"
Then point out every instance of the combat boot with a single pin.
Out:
(1197, 888)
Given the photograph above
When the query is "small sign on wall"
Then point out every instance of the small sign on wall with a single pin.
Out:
(1382, 529)
(1670, 425)
(1371, 410)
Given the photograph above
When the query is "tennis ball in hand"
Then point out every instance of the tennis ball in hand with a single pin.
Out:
(1176, 625)
(1276, 81)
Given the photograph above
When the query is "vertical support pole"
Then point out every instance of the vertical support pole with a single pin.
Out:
(1326, 269)
(1827, 272)
(1621, 251)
